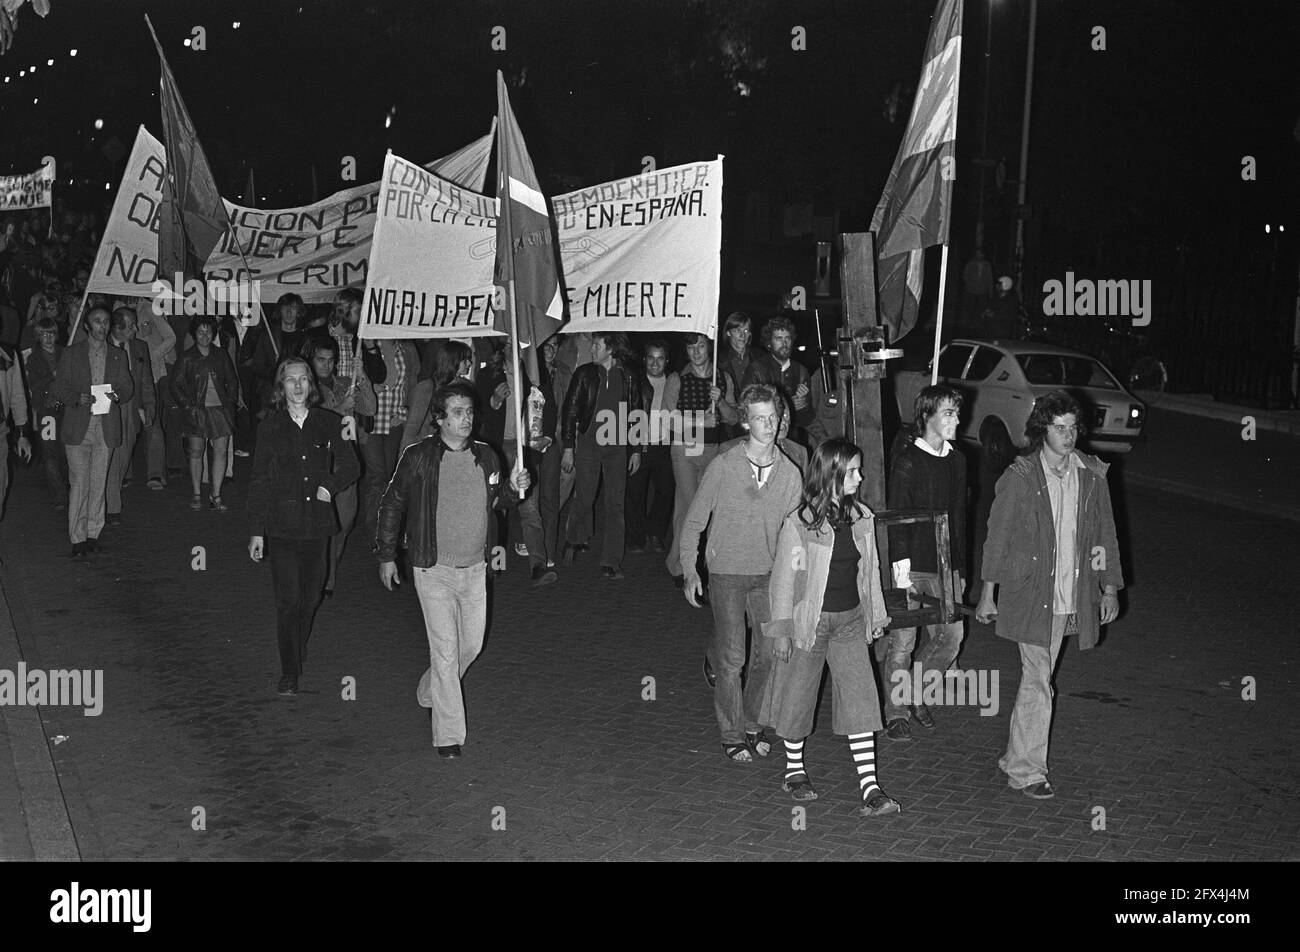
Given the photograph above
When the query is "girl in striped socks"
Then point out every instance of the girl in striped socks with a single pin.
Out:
(826, 607)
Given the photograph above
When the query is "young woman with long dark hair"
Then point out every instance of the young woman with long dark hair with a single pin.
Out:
(827, 607)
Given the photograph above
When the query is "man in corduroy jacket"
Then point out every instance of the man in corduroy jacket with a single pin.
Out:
(1052, 549)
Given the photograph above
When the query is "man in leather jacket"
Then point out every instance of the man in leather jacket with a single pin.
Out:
(446, 487)
(603, 440)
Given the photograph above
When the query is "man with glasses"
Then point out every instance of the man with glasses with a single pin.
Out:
(1051, 548)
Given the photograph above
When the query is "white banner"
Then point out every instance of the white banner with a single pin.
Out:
(33, 190)
(643, 253)
(638, 254)
(313, 250)
(432, 260)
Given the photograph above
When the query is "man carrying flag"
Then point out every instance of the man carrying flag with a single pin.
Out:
(916, 208)
(532, 309)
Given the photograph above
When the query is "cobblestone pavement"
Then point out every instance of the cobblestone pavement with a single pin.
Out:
(1151, 727)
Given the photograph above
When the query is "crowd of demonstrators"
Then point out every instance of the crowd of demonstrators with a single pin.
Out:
(302, 462)
(927, 472)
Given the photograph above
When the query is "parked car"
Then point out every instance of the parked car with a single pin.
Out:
(1000, 381)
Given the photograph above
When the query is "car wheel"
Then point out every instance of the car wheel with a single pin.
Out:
(996, 446)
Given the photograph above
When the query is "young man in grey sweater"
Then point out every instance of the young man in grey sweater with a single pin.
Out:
(743, 498)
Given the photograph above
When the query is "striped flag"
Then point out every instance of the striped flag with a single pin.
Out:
(525, 250)
(915, 210)
(193, 216)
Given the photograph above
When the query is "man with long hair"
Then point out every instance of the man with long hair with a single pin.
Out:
(1051, 548)
(596, 446)
(927, 473)
(827, 606)
(742, 500)
(301, 464)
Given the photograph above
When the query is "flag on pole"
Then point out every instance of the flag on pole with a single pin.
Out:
(525, 251)
(193, 216)
(915, 210)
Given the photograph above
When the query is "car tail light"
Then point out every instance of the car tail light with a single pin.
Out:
(1137, 413)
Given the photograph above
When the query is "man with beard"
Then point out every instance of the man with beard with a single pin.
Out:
(790, 377)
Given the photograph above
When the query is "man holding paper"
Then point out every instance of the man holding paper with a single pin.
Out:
(92, 379)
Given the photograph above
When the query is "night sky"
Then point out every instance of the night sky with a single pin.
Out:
(1146, 137)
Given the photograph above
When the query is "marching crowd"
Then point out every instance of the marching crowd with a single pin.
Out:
(735, 472)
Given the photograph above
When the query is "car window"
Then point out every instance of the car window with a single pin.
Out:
(986, 358)
(1057, 370)
(953, 360)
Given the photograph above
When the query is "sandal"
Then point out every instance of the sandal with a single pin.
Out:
(217, 504)
(196, 502)
(799, 787)
(879, 804)
(754, 741)
(739, 753)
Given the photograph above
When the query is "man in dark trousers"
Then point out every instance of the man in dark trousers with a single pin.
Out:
(92, 382)
(1051, 548)
(137, 413)
(926, 473)
(447, 486)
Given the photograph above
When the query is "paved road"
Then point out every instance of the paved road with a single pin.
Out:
(1151, 727)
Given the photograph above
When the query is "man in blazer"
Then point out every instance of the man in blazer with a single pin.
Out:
(88, 437)
(138, 413)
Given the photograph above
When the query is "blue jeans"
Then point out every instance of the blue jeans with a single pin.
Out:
(841, 643)
(1025, 762)
(938, 654)
(737, 709)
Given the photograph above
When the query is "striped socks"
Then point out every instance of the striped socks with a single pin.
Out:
(794, 760)
(863, 747)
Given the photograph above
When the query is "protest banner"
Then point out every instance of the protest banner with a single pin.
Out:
(312, 250)
(432, 258)
(639, 254)
(33, 190)
(643, 253)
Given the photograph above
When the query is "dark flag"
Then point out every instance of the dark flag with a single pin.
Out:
(916, 208)
(525, 251)
(193, 216)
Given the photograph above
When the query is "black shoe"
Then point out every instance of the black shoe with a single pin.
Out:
(1039, 791)
(708, 673)
(609, 572)
(571, 551)
(78, 550)
(92, 545)
(899, 729)
(114, 519)
(288, 687)
(543, 576)
(450, 752)
(923, 716)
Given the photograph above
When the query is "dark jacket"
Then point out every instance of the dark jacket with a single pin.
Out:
(788, 381)
(72, 384)
(142, 373)
(190, 374)
(580, 400)
(919, 480)
(413, 493)
(1020, 551)
(756, 370)
(41, 368)
(289, 465)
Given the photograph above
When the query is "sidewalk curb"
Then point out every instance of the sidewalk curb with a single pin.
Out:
(40, 796)
(1202, 405)
(1254, 507)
